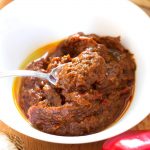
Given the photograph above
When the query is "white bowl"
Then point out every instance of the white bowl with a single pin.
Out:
(28, 25)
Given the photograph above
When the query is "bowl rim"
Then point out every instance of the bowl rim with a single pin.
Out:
(81, 139)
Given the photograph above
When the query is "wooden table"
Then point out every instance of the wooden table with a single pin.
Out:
(26, 143)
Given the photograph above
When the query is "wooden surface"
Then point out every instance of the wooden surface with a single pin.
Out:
(144, 3)
(4, 2)
(26, 143)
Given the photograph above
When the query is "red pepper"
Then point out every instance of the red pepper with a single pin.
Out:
(130, 140)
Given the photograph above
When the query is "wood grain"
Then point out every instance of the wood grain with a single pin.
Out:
(32, 144)
(4, 3)
(144, 3)
(26, 143)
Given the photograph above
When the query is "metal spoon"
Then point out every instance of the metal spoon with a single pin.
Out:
(52, 77)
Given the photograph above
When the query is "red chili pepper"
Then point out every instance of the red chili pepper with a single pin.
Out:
(130, 140)
(104, 101)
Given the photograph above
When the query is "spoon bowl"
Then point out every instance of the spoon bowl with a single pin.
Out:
(52, 77)
(21, 32)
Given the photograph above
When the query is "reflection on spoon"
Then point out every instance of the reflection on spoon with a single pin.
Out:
(52, 77)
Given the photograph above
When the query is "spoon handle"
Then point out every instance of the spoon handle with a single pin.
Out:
(23, 73)
(52, 77)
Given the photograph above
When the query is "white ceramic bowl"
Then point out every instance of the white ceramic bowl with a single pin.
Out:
(28, 25)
